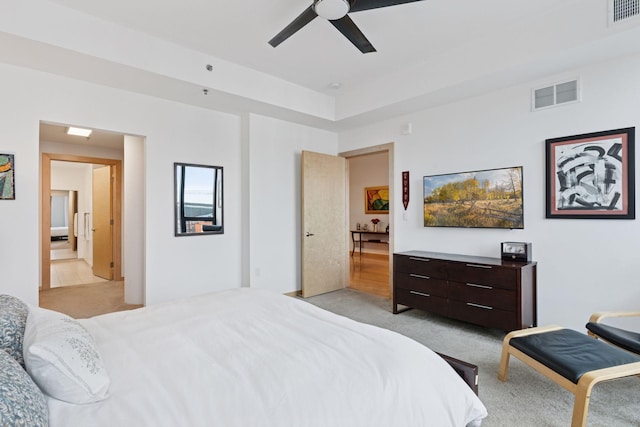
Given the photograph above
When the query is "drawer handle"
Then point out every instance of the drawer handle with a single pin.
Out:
(419, 293)
(486, 307)
(475, 285)
(479, 266)
(419, 276)
(419, 259)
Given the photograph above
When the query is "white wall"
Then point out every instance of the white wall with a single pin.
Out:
(583, 265)
(59, 209)
(275, 225)
(133, 215)
(174, 132)
(369, 170)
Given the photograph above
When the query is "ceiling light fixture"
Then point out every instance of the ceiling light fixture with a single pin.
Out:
(331, 9)
(79, 132)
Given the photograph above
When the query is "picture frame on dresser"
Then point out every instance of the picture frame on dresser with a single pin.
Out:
(591, 176)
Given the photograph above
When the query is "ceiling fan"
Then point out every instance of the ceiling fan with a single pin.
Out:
(335, 11)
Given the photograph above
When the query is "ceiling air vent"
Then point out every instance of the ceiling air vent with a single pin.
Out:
(557, 94)
(623, 10)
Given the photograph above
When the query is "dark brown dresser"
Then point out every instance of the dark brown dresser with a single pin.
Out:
(486, 291)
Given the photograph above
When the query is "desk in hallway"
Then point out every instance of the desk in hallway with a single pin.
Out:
(360, 241)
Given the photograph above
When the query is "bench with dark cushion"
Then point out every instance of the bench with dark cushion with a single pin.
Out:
(573, 360)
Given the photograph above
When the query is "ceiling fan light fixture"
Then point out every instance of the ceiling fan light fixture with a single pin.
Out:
(331, 9)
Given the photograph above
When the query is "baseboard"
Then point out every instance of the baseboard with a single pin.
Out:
(294, 294)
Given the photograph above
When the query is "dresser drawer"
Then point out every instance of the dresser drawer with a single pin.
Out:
(479, 290)
(423, 266)
(484, 315)
(422, 283)
(484, 295)
(421, 300)
(483, 275)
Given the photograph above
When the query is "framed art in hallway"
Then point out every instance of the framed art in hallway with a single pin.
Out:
(376, 200)
(591, 176)
(7, 177)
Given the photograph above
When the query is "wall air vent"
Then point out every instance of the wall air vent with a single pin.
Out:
(557, 94)
(623, 10)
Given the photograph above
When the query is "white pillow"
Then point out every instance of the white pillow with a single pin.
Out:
(62, 358)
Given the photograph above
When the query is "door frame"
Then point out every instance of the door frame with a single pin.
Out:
(45, 211)
(389, 148)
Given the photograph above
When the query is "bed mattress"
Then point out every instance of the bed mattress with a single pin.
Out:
(255, 358)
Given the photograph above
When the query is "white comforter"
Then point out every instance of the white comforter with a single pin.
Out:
(254, 358)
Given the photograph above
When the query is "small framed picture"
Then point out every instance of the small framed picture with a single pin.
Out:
(7, 177)
(376, 200)
(591, 176)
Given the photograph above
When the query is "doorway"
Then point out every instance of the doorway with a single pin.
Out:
(64, 210)
(371, 255)
(82, 224)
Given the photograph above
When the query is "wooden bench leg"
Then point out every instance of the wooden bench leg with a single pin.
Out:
(581, 406)
(583, 389)
(504, 363)
(504, 359)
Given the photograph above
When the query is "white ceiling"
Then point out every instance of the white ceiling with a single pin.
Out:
(238, 31)
(429, 52)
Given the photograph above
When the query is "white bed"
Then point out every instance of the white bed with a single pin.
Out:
(255, 358)
(59, 232)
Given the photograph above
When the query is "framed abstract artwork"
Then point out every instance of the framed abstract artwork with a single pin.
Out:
(591, 176)
(7, 177)
(376, 200)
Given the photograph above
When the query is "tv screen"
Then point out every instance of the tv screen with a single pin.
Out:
(489, 198)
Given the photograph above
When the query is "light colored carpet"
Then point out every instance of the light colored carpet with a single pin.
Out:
(83, 301)
(526, 399)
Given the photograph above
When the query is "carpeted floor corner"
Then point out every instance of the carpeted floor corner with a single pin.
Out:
(527, 399)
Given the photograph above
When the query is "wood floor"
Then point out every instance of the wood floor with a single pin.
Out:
(69, 272)
(83, 301)
(370, 274)
(61, 249)
(75, 291)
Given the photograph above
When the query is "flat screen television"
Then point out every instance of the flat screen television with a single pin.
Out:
(490, 198)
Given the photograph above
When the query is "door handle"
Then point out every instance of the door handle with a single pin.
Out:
(309, 234)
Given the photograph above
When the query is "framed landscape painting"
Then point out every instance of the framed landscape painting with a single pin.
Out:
(591, 176)
(489, 198)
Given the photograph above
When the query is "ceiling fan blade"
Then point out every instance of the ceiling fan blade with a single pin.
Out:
(349, 29)
(358, 5)
(303, 19)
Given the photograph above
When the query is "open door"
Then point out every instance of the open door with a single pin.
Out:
(324, 239)
(102, 223)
